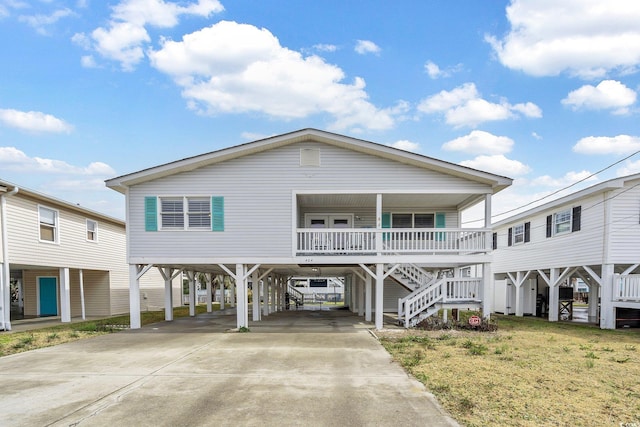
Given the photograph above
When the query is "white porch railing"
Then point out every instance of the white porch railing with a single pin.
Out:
(445, 290)
(393, 241)
(626, 287)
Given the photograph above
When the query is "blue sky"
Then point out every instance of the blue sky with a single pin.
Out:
(542, 91)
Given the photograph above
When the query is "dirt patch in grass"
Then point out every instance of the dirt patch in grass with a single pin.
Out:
(528, 373)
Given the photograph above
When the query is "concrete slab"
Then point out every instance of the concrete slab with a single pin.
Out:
(293, 368)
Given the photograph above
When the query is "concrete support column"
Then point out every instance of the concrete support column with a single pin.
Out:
(168, 294)
(209, 277)
(134, 297)
(274, 293)
(554, 295)
(487, 290)
(592, 310)
(266, 283)
(65, 296)
(361, 297)
(367, 298)
(221, 278)
(192, 293)
(255, 291)
(81, 282)
(240, 288)
(233, 286)
(607, 311)
(379, 296)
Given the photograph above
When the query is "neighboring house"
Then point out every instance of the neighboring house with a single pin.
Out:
(59, 259)
(387, 220)
(591, 236)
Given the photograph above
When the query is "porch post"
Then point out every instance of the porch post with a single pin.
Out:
(265, 291)
(209, 277)
(81, 280)
(232, 293)
(134, 297)
(487, 290)
(607, 311)
(379, 296)
(274, 288)
(65, 297)
(255, 291)
(379, 224)
(367, 298)
(554, 295)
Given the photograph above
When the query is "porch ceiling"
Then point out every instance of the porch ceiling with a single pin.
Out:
(426, 201)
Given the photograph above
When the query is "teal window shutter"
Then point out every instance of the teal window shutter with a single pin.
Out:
(151, 213)
(217, 213)
(386, 223)
(440, 223)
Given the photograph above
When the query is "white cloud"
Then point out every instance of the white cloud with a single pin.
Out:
(621, 144)
(535, 135)
(629, 168)
(498, 164)
(88, 61)
(463, 106)
(41, 22)
(125, 37)
(321, 47)
(238, 68)
(609, 94)
(33, 121)
(480, 142)
(16, 160)
(366, 46)
(569, 178)
(435, 72)
(406, 145)
(586, 38)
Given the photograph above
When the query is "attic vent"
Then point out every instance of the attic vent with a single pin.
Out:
(309, 157)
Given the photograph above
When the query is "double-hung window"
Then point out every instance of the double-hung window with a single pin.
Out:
(518, 234)
(185, 213)
(412, 220)
(48, 219)
(562, 222)
(92, 231)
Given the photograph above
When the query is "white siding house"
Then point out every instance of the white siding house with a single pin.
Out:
(59, 259)
(591, 236)
(313, 203)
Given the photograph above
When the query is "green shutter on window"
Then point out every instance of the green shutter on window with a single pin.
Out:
(217, 213)
(386, 223)
(150, 213)
(440, 223)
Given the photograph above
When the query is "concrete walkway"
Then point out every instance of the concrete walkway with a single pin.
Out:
(311, 368)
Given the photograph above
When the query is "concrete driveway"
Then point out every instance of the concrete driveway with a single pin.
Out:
(315, 368)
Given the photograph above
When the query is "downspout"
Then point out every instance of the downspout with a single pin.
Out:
(5, 277)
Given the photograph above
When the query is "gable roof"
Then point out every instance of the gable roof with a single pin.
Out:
(612, 184)
(6, 186)
(121, 183)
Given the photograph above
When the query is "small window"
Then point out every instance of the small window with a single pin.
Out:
(423, 221)
(48, 219)
(402, 221)
(199, 213)
(518, 234)
(92, 231)
(562, 222)
(171, 213)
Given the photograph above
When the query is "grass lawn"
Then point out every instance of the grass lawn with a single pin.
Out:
(16, 342)
(528, 373)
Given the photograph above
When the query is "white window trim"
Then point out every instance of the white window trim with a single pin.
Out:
(95, 231)
(56, 231)
(554, 222)
(185, 213)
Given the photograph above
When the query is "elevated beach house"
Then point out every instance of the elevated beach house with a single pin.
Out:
(587, 239)
(60, 259)
(313, 203)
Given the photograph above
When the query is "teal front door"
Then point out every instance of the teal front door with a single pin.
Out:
(48, 296)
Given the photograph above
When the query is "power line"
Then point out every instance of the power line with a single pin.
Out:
(557, 191)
